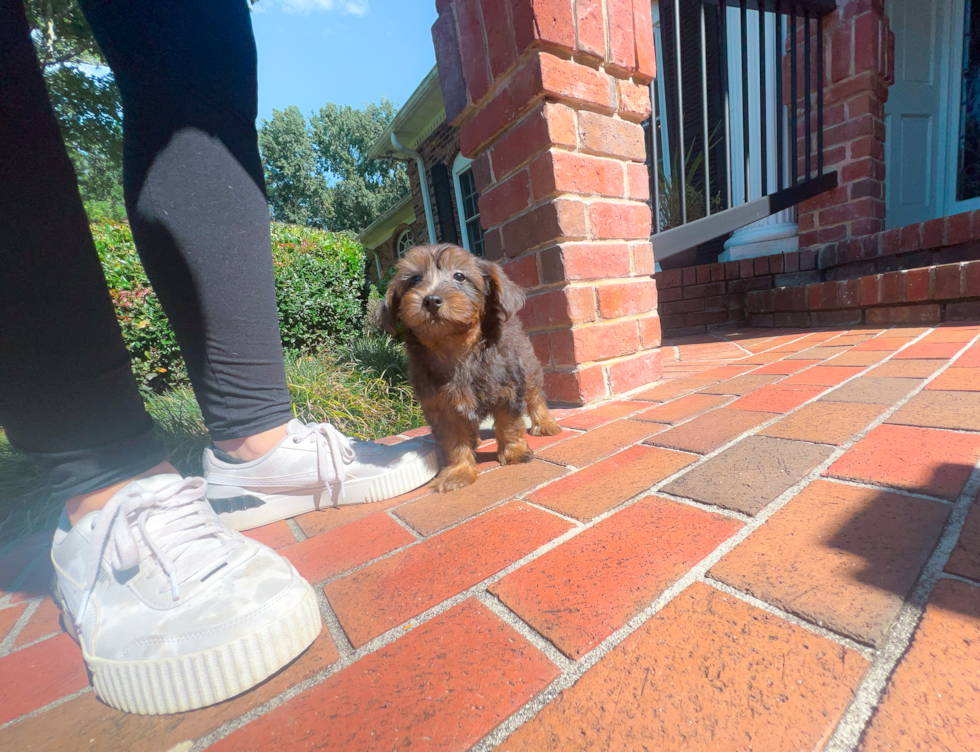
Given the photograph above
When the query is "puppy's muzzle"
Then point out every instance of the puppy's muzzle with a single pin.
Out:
(432, 303)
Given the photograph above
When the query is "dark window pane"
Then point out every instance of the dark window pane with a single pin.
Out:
(968, 168)
(475, 232)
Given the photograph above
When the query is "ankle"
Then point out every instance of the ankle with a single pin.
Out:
(81, 505)
(252, 447)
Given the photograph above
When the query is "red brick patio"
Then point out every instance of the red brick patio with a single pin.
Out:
(771, 549)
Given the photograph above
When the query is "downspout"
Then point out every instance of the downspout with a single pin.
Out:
(430, 223)
(377, 263)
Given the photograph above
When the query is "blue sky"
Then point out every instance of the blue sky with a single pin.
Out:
(344, 51)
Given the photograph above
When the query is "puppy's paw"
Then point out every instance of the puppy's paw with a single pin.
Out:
(454, 478)
(547, 427)
(515, 454)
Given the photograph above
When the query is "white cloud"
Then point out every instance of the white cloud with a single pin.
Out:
(346, 7)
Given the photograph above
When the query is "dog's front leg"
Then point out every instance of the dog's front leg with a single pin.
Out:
(542, 424)
(512, 448)
(455, 435)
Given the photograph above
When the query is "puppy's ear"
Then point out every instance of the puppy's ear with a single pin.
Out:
(388, 310)
(502, 296)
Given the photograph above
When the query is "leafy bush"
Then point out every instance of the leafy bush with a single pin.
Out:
(319, 279)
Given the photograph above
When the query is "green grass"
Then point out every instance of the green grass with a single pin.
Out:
(362, 389)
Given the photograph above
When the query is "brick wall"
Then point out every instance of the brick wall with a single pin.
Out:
(549, 96)
(859, 65)
(698, 299)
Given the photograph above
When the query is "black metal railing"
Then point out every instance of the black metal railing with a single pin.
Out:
(701, 117)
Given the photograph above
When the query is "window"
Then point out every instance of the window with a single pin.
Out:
(467, 206)
(405, 241)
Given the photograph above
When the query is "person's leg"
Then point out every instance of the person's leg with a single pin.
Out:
(67, 393)
(195, 196)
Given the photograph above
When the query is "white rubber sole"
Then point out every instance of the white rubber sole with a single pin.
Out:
(283, 506)
(176, 685)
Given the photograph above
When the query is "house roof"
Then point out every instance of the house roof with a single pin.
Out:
(380, 229)
(419, 116)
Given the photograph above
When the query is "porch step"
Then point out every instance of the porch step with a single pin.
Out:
(929, 295)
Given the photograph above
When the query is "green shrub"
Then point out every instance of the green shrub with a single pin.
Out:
(319, 279)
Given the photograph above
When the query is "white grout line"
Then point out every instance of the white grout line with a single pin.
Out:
(399, 521)
(296, 530)
(46, 708)
(7, 643)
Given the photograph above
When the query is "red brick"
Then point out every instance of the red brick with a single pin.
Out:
(825, 422)
(672, 389)
(331, 518)
(577, 261)
(971, 277)
(608, 220)
(823, 375)
(923, 460)
(958, 228)
(505, 199)
(597, 489)
(523, 271)
(550, 123)
(607, 136)
(930, 702)
(86, 723)
(8, 618)
(957, 380)
(565, 172)
(558, 219)
(576, 387)
(742, 385)
(643, 261)
(929, 351)
(569, 305)
(389, 592)
(621, 52)
(627, 298)
(591, 33)
(599, 442)
(436, 512)
(602, 341)
(39, 675)
(549, 21)
(745, 675)
(577, 83)
(45, 621)
(646, 58)
(911, 238)
(956, 410)
(444, 685)
(785, 367)
(724, 372)
(636, 371)
(649, 332)
(581, 592)
(963, 311)
(839, 556)
(472, 39)
(638, 185)
(500, 37)
(933, 232)
(275, 536)
(347, 547)
(946, 284)
(602, 414)
(710, 431)
(684, 408)
(908, 369)
(777, 398)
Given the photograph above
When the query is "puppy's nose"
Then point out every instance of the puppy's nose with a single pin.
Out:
(432, 302)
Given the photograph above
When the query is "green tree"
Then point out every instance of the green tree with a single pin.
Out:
(365, 188)
(298, 192)
(85, 99)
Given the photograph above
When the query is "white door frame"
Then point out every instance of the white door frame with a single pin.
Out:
(949, 135)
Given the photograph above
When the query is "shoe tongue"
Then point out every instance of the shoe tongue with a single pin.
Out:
(295, 426)
(155, 483)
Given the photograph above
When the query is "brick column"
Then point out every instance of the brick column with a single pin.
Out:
(548, 96)
(859, 51)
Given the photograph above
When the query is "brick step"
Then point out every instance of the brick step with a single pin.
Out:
(929, 295)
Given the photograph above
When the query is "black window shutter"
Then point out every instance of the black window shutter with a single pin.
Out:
(444, 203)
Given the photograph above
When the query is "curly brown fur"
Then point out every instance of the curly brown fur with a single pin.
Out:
(468, 357)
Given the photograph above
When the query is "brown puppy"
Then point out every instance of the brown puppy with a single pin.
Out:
(467, 355)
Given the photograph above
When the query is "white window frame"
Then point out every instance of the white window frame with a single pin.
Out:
(460, 165)
(398, 242)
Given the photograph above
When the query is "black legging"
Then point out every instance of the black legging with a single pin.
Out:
(196, 201)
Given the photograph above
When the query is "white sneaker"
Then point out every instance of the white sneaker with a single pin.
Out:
(315, 466)
(173, 610)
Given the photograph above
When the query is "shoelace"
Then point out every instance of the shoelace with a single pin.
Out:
(332, 446)
(181, 525)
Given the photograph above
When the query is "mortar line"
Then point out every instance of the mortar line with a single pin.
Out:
(900, 491)
(49, 706)
(296, 530)
(401, 523)
(545, 646)
(7, 643)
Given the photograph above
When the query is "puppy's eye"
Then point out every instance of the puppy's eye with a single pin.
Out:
(415, 280)
(459, 277)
